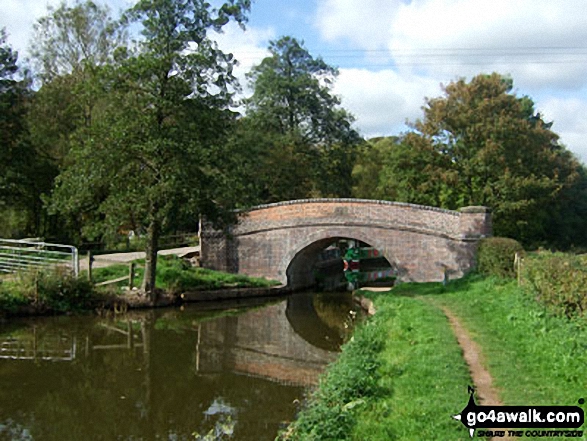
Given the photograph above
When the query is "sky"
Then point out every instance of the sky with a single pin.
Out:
(392, 54)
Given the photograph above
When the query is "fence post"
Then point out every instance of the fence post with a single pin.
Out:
(518, 267)
(131, 275)
(90, 261)
(75, 261)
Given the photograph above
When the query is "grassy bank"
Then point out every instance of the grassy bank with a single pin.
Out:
(400, 377)
(58, 292)
(534, 356)
(420, 378)
(176, 275)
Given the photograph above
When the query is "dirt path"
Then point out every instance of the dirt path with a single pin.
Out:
(473, 355)
(104, 260)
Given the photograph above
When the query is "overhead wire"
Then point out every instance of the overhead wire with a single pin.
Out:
(445, 56)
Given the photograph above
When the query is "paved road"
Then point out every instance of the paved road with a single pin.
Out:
(104, 260)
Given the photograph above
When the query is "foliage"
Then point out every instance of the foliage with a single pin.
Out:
(558, 281)
(302, 138)
(401, 364)
(70, 39)
(178, 276)
(480, 144)
(353, 379)
(495, 256)
(22, 169)
(154, 151)
(55, 291)
(368, 168)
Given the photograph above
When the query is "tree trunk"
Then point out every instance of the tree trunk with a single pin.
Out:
(153, 233)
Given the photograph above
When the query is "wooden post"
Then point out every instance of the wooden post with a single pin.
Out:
(131, 275)
(90, 262)
(518, 267)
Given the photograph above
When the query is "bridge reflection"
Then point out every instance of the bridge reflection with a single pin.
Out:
(150, 374)
(289, 342)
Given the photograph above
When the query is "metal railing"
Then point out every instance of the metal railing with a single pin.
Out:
(27, 255)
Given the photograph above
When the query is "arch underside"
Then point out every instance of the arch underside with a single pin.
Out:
(289, 255)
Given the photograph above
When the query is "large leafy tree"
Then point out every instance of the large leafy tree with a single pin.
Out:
(308, 136)
(70, 48)
(157, 145)
(21, 176)
(480, 144)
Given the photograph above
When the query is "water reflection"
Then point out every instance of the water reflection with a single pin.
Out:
(234, 374)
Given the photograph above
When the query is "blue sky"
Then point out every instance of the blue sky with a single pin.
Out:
(391, 54)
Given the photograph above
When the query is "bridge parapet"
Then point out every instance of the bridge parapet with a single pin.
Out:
(350, 212)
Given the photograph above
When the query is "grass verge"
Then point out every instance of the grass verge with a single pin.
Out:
(400, 377)
(176, 275)
(55, 291)
(534, 357)
(419, 377)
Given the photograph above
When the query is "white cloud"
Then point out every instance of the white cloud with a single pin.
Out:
(568, 115)
(382, 101)
(19, 16)
(536, 41)
(539, 43)
(365, 23)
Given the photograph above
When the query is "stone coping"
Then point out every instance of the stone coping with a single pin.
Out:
(351, 200)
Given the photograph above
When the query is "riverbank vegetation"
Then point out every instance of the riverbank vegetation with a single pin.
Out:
(175, 275)
(59, 292)
(533, 349)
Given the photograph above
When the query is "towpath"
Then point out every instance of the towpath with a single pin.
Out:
(104, 260)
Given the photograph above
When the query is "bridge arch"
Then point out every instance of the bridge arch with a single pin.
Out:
(298, 262)
(278, 241)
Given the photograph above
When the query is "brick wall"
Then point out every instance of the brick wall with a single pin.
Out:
(281, 241)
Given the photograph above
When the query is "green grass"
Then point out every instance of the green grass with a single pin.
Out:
(60, 292)
(533, 356)
(401, 377)
(178, 276)
(420, 378)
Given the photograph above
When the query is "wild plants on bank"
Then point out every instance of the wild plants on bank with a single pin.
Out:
(50, 290)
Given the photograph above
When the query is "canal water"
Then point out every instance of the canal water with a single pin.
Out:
(236, 371)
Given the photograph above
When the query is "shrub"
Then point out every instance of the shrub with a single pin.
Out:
(54, 290)
(558, 281)
(495, 256)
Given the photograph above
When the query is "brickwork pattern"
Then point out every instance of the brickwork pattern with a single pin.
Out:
(281, 241)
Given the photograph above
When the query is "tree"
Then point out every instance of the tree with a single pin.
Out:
(157, 144)
(71, 46)
(73, 39)
(294, 107)
(480, 144)
(368, 167)
(22, 169)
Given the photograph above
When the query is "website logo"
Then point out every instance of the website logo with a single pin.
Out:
(527, 417)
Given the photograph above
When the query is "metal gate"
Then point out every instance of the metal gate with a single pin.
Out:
(26, 255)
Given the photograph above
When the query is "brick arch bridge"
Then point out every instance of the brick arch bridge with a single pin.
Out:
(282, 241)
